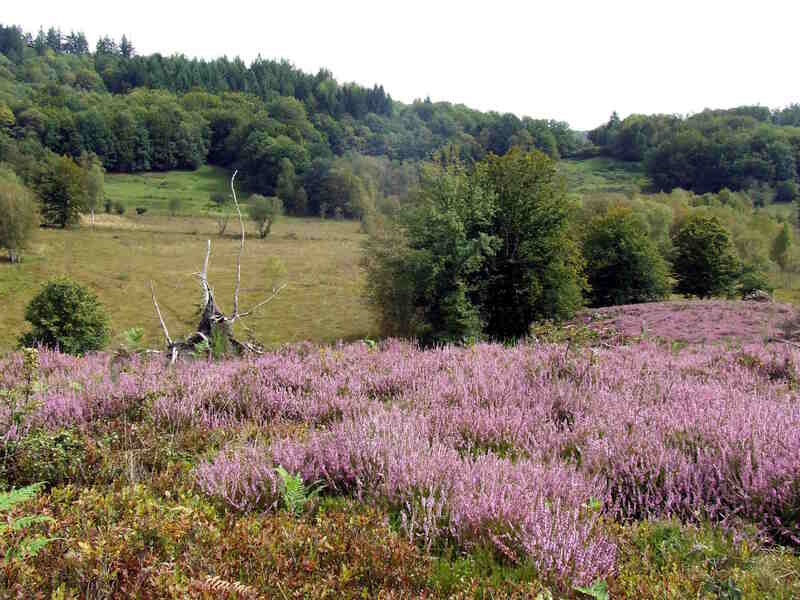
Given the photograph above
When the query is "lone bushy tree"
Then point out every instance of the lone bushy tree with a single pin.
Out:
(19, 215)
(264, 212)
(64, 192)
(422, 269)
(174, 206)
(536, 272)
(623, 266)
(705, 263)
(479, 254)
(66, 315)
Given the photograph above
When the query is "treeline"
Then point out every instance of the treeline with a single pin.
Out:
(745, 148)
(284, 129)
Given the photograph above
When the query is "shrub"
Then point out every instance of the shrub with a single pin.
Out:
(140, 210)
(705, 262)
(174, 205)
(66, 315)
(264, 212)
(218, 199)
(108, 205)
(119, 208)
(51, 457)
(781, 247)
(623, 265)
(752, 280)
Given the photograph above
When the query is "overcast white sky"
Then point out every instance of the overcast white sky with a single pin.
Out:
(565, 59)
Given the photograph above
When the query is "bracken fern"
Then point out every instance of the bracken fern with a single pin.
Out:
(29, 546)
(224, 589)
(295, 493)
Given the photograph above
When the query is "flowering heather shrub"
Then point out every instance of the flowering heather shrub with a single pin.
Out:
(244, 478)
(528, 510)
(488, 445)
(705, 321)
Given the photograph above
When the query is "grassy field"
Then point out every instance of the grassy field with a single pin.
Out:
(153, 191)
(603, 175)
(318, 259)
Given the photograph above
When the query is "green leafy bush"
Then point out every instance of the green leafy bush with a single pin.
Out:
(133, 339)
(786, 191)
(264, 212)
(50, 457)
(623, 265)
(705, 263)
(752, 280)
(66, 315)
(174, 205)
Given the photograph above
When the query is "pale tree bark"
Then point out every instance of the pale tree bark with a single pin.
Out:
(212, 320)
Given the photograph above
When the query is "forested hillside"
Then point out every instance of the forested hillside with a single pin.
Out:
(748, 148)
(292, 134)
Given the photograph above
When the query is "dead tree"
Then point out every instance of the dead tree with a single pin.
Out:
(213, 322)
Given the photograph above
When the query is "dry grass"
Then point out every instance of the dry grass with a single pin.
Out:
(119, 257)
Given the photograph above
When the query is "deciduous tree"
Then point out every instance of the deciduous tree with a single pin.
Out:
(19, 215)
(705, 263)
(64, 192)
(537, 271)
(623, 266)
(264, 212)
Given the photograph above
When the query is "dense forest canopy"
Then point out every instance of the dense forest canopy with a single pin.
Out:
(739, 149)
(286, 130)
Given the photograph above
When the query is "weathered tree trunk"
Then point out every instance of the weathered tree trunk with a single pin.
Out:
(214, 326)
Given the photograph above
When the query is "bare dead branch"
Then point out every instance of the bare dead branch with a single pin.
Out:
(158, 312)
(241, 251)
(787, 342)
(203, 276)
(263, 302)
(212, 319)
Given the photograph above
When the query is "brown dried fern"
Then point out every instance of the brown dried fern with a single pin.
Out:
(220, 588)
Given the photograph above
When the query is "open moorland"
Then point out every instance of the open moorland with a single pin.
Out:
(460, 354)
(596, 457)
